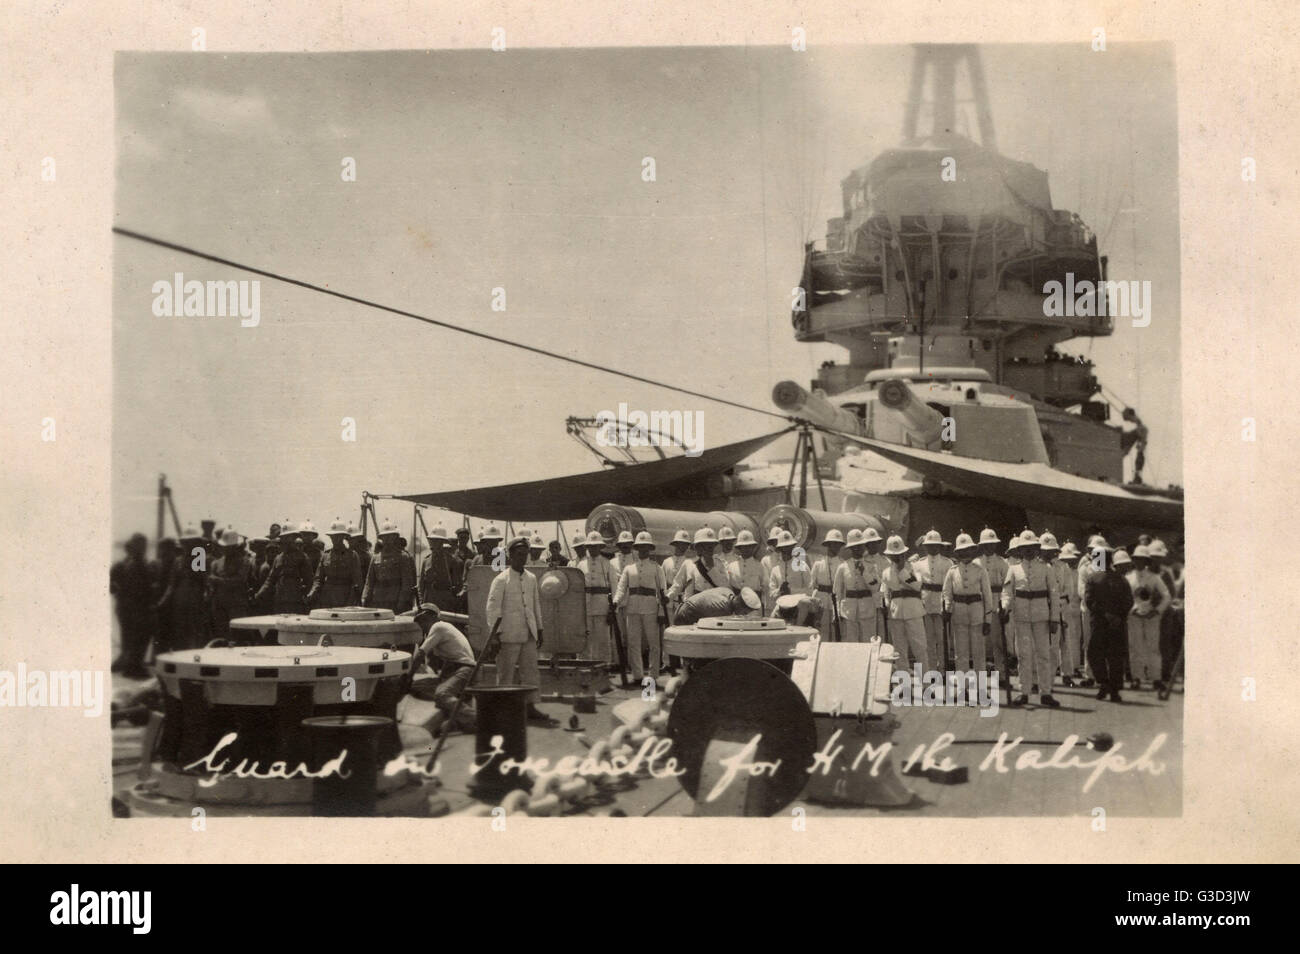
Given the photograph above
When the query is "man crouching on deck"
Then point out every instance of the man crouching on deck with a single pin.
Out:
(515, 605)
(445, 649)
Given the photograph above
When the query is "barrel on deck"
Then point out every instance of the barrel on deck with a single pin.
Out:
(351, 790)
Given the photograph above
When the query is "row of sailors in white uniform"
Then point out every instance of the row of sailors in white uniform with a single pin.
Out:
(875, 581)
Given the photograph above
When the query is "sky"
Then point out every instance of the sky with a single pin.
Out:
(523, 171)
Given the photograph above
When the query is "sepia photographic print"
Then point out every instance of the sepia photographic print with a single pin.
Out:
(502, 435)
(655, 432)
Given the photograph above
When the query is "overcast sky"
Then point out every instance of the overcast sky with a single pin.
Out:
(523, 170)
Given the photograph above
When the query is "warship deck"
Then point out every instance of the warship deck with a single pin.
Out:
(1135, 724)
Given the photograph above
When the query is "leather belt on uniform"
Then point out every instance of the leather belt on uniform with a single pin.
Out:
(1032, 594)
(903, 594)
(643, 591)
(996, 589)
(968, 597)
(932, 587)
(857, 594)
(598, 589)
(823, 588)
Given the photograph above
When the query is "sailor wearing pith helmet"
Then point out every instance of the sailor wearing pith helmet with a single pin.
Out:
(770, 559)
(1029, 595)
(1067, 585)
(746, 572)
(821, 586)
(726, 545)
(932, 569)
(791, 573)
(441, 571)
(995, 566)
(640, 594)
(857, 590)
(672, 564)
(624, 555)
(599, 584)
(337, 581)
(968, 601)
(702, 573)
(901, 589)
(1151, 598)
(390, 581)
(1048, 550)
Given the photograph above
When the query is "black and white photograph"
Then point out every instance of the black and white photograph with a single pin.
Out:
(658, 432)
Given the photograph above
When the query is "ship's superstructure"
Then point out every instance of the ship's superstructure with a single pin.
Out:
(935, 274)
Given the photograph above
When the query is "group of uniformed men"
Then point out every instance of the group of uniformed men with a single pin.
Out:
(182, 601)
(1097, 616)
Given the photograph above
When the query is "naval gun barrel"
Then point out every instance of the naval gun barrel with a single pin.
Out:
(813, 407)
(921, 422)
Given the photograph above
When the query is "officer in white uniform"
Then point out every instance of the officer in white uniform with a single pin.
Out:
(514, 603)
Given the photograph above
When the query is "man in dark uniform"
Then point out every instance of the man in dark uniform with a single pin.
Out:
(230, 583)
(307, 534)
(185, 598)
(290, 576)
(131, 582)
(463, 550)
(1109, 599)
(258, 546)
(337, 581)
(262, 604)
(440, 571)
(390, 583)
(555, 557)
(359, 545)
(160, 571)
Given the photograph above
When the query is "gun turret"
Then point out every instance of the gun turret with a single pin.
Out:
(814, 408)
(921, 423)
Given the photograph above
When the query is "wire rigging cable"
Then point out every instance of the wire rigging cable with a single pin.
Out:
(139, 236)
